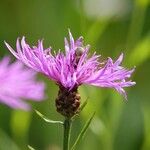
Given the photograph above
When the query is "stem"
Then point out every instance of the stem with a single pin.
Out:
(67, 129)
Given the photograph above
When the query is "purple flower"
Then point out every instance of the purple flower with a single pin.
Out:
(18, 83)
(75, 67)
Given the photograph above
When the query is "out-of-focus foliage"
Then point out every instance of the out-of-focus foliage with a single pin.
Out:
(119, 26)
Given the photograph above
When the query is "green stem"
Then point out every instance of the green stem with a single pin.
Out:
(67, 129)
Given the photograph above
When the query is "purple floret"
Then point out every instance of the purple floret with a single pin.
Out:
(18, 83)
(75, 67)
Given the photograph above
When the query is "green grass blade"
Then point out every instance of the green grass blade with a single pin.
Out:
(81, 108)
(83, 105)
(47, 119)
(83, 131)
(31, 148)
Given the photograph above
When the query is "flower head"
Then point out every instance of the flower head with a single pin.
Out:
(75, 67)
(18, 83)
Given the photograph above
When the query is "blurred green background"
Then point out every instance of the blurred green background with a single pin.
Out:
(110, 27)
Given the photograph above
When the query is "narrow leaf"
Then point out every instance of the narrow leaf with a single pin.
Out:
(47, 119)
(83, 131)
(31, 148)
(83, 105)
(81, 108)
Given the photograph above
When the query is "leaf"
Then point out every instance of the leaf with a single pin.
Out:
(83, 131)
(81, 108)
(31, 148)
(83, 105)
(47, 119)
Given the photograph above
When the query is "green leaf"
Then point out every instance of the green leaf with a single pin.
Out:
(31, 148)
(81, 108)
(83, 105)
(83, 131)
(47, 119)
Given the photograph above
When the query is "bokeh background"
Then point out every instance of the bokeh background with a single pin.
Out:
(110, 27)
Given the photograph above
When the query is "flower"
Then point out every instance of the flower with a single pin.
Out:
(75, 67)
(18, 83)
(72, 69)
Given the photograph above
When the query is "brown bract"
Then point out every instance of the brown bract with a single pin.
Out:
(68, 101)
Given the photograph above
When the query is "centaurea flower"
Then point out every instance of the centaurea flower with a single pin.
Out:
(73, 69)
(18, 83)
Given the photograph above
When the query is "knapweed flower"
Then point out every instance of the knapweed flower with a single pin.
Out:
(72, 69)
(18, 83)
